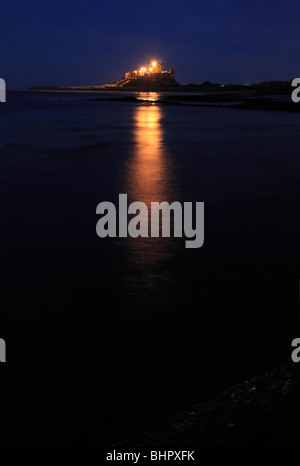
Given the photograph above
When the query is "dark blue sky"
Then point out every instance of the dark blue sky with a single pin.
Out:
(94, 42)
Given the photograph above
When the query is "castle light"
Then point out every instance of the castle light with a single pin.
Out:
(154, 69)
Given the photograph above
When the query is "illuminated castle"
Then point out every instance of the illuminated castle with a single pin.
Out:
(152, 70)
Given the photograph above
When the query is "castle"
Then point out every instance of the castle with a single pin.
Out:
(153, 70)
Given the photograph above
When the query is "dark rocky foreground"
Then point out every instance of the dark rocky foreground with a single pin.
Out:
(262, 411)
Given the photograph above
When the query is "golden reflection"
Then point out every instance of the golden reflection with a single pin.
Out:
(149, 172)
(149, 178)
(148, 96)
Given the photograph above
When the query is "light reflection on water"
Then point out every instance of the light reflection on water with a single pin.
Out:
(149, 174)
(149, 178)
(149, 96)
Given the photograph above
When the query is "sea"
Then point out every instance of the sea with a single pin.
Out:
(116, 334)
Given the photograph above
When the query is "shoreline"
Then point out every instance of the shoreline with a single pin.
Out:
(267, 97)
(233, 101)
(265, 87)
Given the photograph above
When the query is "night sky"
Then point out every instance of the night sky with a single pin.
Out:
(94, 42)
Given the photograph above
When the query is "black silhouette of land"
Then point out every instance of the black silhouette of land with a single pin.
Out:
(267, 95)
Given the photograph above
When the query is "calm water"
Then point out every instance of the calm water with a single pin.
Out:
(157, 325)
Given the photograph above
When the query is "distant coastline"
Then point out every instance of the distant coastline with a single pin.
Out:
(171, 85)
(268, 95)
